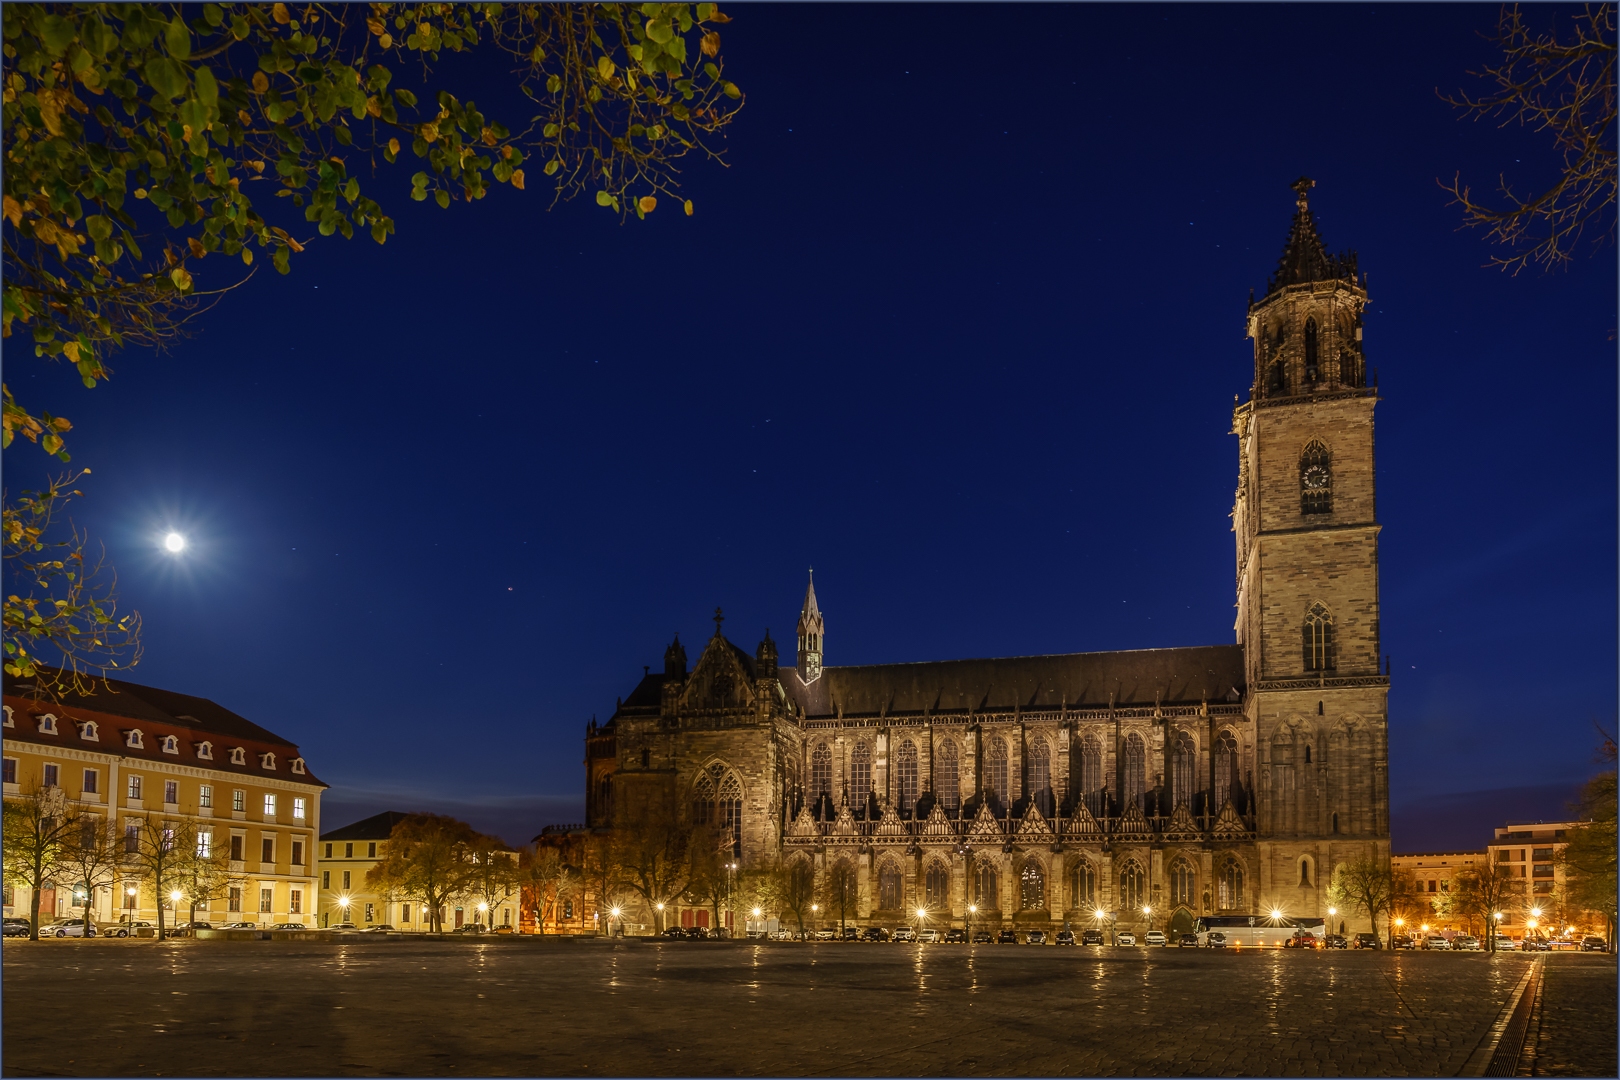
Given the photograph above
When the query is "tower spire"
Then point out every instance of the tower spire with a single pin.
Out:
(811, 627)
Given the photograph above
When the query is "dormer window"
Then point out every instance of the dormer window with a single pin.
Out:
(267, 760)
(135, 740)
(47, 724)
(171, 745)
(238, 756)
(298, 765)
(205, 751)
(89, 732)
(9, 721)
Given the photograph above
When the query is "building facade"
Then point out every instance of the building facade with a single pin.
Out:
(130, 752)
(349, 853)
(1141, 788)
(1532, 854)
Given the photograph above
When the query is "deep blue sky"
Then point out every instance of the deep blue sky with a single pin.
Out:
(960, 325)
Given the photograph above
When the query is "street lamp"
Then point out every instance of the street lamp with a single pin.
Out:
(1147, 912)
(973, 909)
(613, 913)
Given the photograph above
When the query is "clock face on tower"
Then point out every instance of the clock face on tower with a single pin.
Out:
(1315, 478)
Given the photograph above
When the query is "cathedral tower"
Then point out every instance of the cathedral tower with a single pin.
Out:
(810, 630)
(1307, 573)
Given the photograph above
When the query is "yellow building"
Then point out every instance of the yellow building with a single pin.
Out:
(130, 751)
(348, 854)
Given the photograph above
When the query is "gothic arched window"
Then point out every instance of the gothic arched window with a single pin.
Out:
(905, 767)
(995, 766)
(730, 808)
(889, 886)
(1226, 772)
(1306, 878)
(1132, 888)
(1031, 887)
(1184, 761)
(1310, 351)
(1183, 884)
(860, 777)
(1318, 638)
(947, 776)
(821, 771)
(1230, 884)
(1316, 479)
(1082, 885)
(937, 887)
(985, 887)
(703, 808)
(1134, 780)
(1040, 776)
(1091, 769)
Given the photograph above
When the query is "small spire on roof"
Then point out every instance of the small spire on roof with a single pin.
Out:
(719, 617)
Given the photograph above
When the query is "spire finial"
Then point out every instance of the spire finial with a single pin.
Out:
(1301, 187)
(719, 617)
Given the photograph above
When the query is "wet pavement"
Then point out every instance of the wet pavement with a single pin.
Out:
(510, 1007)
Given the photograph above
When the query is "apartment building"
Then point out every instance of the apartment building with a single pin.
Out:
(130, 752)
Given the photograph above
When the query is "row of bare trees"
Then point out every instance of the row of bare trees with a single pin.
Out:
(51, 841)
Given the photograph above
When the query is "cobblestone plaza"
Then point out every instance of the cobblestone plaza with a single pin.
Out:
(593, 1008)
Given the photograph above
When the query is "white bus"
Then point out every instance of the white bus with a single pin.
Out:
(1254, 931)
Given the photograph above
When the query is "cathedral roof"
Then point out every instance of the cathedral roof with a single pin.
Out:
(1185, 676)
(1305, 257)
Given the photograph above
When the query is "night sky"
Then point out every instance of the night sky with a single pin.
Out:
(960, 326)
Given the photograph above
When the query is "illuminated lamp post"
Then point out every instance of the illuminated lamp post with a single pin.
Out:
(814, 910)
(973, 909)
(1147, 912)
(483, 909)
(659, 907)
(615, 913)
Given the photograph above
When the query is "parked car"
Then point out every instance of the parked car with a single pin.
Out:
(1336, 941)
(378, 928)
(248, 926)
(1091, 937)
(983, 937)
(1215, 940)
(697, 933)
(1302, 939)
(1065, 937)
(956, 936)
(851, 933)
(18, 927)
(928, 936)
(293, 926)
(673, 933)
(343, 926)
(113, 930)
(1187, 941)
(67, 928)
(1007, 937)
(824, 934)
(1155, 937)
(1402, 941)
(1466, 942)
(1593, 943)
(1505, 943)
(1436, 942)
(1125, 937)
(719, 933)
(875, 933)
(1035, 937)
(1537, 944)
(1369, 941)
(904, 933)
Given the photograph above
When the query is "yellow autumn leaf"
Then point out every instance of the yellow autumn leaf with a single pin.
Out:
(393, 146)
(70, 349)
(688, 207)
(278, 12)
(181, 279)
(386, 41)
(13, 211)
(648, 204)
(196, 246)
(261, 82)
(517, 179)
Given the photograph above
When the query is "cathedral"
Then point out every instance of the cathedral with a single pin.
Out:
(1140, 788)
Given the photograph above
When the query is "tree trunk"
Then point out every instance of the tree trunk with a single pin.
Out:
(33, 910)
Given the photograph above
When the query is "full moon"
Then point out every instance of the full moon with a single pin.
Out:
(174, 542)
